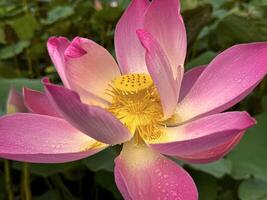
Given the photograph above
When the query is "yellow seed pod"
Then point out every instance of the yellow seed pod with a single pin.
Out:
(133, 82)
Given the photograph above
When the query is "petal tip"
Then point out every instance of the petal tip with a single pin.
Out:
(45, 80)
(251, 121)
(54, 41)
(75, 50)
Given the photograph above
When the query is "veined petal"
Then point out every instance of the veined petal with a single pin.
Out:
(161, 73)
(15, 102)
(56, 47)
(230, 77)
(38, 102)
(90, 69)
(142, 174)
(203, 134)
(189, 79)
(91, 120)
(129, 52)
(43, 139)
(213, 154)
(164, 22)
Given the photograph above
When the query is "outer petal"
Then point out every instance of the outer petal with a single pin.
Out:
(56, 47)
(203, 134)
(230, 77)
(161, 73)
(92, 120)
(90, 68)
(142, 174)
(214, 153)
(189, 79)
(43, 139)
(38, 102)
(15, 102)
(130, 53)
(164, 22)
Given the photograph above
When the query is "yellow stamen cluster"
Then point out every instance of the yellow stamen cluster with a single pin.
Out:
(135, 101)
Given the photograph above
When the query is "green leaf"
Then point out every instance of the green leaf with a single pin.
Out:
(123, 3)
(37, 50)
(103, 160)
(265, 103)
(2, 34)
(235, 29)
(259, 2)
(217, 3)
(189, 4)
(46, 170)
(6, 84)
(218, 169)
(106, 15)
(226, 195)
(13, 49)
(106, 180)
(58, 13)
(7, 71)
(195, 20)
(250, 157)
(51, 194)
(207, 186)
(202, 59)
(253, 189)
(25, 26)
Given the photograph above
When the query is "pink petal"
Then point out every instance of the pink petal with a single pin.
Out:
(130, 53)
(203, 134)
(230, 77)
(164, 22)
(90, 69)
(75, 50)
(38, 102)
(45, 80)
(189, 79)
(142, 174)
(91, 120)
(161, 73)
(214, 153)
(56, 47)
(15, 102)
(43, 139)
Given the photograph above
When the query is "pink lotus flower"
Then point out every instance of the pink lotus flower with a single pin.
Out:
(147, 102)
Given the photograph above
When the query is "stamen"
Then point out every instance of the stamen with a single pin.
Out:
(137, 104)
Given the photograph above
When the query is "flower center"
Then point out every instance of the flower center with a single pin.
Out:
(135, 101)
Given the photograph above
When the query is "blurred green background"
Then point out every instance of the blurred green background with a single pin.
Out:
(212, 26)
